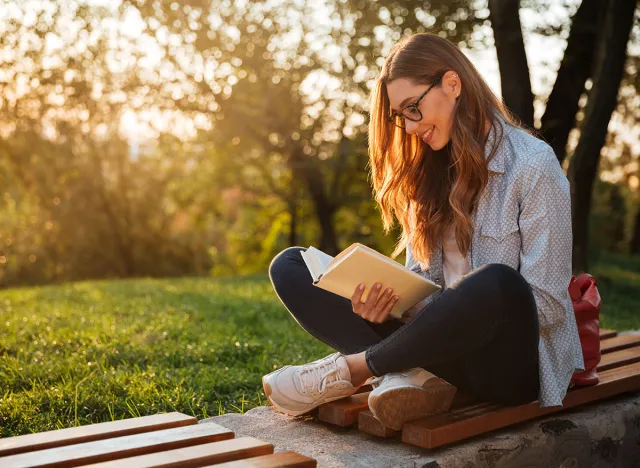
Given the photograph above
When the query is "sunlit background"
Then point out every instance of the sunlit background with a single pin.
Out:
(160, 138)
(155, 155)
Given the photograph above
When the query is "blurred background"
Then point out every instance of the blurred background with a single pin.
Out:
(200, 137)
(156, 154)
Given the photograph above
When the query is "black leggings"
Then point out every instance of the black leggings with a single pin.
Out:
(481, 334)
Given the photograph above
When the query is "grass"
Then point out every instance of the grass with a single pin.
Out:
(98, 351)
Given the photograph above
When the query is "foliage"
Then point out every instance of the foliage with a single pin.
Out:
(274, 99)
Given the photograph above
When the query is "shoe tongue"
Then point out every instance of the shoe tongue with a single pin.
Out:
(343, 370)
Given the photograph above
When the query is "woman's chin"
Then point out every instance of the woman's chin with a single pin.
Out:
(436, 145)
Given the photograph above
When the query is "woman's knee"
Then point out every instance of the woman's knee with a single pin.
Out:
(515, 289)
(506, 276)
(283, 262)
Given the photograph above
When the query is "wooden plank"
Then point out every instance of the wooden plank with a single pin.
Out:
(193, 457)
(369, 424)
(605, 334)
(277, 460)
(91, 432)
(344, 412)
(619, 342)
(461, 399)
(457, 425)
(121, 447)
(620, 358)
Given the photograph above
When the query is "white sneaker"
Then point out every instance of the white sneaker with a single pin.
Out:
(296, 390)
(399, 397)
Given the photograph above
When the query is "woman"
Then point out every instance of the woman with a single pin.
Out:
(485, 213)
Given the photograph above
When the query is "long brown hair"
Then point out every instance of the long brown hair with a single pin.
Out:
(428, 190)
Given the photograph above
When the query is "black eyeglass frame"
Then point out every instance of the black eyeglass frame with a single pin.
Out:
(414, 105)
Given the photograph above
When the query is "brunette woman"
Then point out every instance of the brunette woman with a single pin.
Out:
(485, 212)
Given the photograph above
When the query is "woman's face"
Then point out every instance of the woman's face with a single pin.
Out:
(436, 107)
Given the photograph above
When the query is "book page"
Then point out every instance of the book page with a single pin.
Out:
(316, 261)
(338, 257)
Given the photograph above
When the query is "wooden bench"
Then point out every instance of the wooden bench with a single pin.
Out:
(619, 372)
(163, 440)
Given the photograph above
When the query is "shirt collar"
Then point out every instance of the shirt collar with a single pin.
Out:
(498, 130)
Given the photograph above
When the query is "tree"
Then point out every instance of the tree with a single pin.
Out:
(614, 24)
(608, 72)
(512, 59)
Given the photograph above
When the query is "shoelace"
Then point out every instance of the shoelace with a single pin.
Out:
(313, 376)
(376, 381)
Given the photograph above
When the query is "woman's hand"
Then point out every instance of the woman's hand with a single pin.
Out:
(378, 305)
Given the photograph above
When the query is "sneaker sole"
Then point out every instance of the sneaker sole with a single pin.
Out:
(399, 405)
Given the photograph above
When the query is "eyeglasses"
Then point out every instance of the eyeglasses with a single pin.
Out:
(411, 112)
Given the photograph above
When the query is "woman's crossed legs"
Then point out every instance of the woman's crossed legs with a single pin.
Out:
(481, 334)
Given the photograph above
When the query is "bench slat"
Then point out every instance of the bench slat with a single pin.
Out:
(619, 342)
(121, 447)
(277, 460)
(619, 358)
(458, 425)
(193, 457)
(369, 424)
(606, 334)
(91, 432)
(344, 412)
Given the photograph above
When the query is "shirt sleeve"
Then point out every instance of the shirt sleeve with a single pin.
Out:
(545, 227)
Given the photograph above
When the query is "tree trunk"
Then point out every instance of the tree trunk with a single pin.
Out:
(560, 114)
(608, 71)
(303, 168)
(512, 59)
(634, 247)
(293, 220)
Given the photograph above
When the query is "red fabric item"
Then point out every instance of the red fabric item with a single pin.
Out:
(586, 306)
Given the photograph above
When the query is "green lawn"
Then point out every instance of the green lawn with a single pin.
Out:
(97, 351)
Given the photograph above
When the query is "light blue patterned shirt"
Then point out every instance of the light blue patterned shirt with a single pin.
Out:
(523, 219)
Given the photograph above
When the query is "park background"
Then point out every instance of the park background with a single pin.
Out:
(155, 155)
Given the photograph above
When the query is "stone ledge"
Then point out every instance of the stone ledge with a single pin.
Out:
(604, 434)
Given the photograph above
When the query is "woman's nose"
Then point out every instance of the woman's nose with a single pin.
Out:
(410, 126)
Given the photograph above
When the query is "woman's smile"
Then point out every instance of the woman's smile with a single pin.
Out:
(426, 136)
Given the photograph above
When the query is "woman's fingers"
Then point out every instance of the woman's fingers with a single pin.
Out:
(368, 308)
(383, 300)
(384, 315)
(356, 297)
(378, 304)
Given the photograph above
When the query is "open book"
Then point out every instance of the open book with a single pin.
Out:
(361, 264)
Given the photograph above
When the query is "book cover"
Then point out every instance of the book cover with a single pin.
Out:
(361, 264)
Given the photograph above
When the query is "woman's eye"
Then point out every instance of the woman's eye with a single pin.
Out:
(411, 112)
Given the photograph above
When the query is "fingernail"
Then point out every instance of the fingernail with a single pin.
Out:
(395, 298)
(377, 286)
(388, 290)
(361, 287)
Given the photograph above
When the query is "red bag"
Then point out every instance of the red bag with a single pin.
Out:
(586, 306)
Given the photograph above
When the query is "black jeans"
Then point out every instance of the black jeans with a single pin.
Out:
(481, 334)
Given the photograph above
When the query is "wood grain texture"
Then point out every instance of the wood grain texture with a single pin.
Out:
(277, 460)
(107, 430)
(193, 457)
(121, 447)
(606, 334)
(619, 358)
(619, 342)
(469, 421)
(369, 424)
(344, 412)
